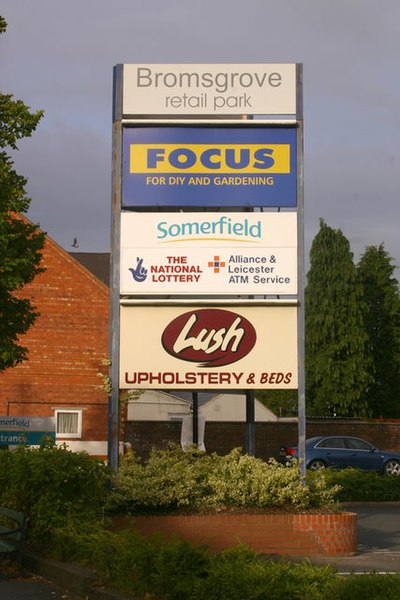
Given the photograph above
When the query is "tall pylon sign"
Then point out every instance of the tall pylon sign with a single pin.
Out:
(207, 242)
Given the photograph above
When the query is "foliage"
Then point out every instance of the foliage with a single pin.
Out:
(258, 579)
(338, 366)
(283, 403)
(64, 492)
(20, 240)
(173, 570)
(172, 479)
(359, 587)
(382, 322)
(53, 486)
(362, 486)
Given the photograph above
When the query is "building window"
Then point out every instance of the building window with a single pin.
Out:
(68, 423)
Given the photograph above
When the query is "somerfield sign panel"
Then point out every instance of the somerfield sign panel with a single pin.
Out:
(27, 430)
(243, 347)
(209, 166)
(208, 253)
(168, 89)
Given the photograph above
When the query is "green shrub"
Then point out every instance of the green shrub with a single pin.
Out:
(174, 480)
(169, 479)
(175, 570)
(365, 587)
(238, 573)
(362, 486)
(137, 565)
(53, 486)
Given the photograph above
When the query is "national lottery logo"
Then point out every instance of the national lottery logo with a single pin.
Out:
(139, 272)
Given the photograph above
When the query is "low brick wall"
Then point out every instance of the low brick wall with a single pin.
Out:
(283, 534)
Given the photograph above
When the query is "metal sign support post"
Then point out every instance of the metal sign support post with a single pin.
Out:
(113, 400)
(301, 278)
(250, 423)
(195, 417)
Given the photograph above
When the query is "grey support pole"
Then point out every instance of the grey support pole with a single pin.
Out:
(113, 400)
(250, 423)
(195, 416)
(301, 278)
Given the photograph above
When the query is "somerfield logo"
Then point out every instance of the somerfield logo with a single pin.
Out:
(211, 337)
(222, 228)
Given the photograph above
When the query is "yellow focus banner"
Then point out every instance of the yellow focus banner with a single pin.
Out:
(210, 158)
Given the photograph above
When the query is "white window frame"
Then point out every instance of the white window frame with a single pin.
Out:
(78, 433)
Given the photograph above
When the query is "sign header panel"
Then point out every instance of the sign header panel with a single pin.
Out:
(196, 89)
(209, 166)
(208, 253)
(208, 348)
(8, 423)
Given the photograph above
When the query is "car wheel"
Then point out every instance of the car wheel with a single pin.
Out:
(317, 464)
(392, 467)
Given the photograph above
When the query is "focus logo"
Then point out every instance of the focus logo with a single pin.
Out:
(209, 336)
(203, 158)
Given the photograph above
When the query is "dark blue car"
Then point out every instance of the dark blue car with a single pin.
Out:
(341, 451)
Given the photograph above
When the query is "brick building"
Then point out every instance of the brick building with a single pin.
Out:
(66, 346)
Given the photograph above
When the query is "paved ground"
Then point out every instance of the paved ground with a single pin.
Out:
(378, 533)
(13, 587)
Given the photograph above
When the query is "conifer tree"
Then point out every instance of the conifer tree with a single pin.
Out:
(338, 367)
(20, 240)
(382, 322)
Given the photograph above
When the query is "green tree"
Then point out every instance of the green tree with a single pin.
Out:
(284, 403)
(338, 366)
(20, 240)
(382, 322)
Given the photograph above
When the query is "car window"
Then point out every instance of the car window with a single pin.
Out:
(333, 442)
(356, 444)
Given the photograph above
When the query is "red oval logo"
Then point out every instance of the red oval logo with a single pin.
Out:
(212, 337)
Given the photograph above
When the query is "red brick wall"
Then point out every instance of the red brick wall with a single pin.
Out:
(269, 437)
(66, 346)
(283, 534)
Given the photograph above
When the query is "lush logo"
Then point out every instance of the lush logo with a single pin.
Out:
(210, 336)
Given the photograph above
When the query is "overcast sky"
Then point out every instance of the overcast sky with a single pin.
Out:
(58, 56)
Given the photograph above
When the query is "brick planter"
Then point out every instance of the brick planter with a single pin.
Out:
(265, 533)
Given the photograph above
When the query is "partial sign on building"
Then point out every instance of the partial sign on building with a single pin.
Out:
(209, 166)
(208, 253)
(30, 431)
(213, 89)
(227, 347)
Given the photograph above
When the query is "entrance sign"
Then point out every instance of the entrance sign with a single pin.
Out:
(209, 166)
(26, 430)
(240, 347)
(214, 89)
(208, 253)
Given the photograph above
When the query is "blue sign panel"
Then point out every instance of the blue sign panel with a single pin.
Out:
(209, 166)
(30, 438)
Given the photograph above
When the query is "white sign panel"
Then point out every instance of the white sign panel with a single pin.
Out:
(208, 253)
(27, 423)
(226, 89)
(228, 347)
